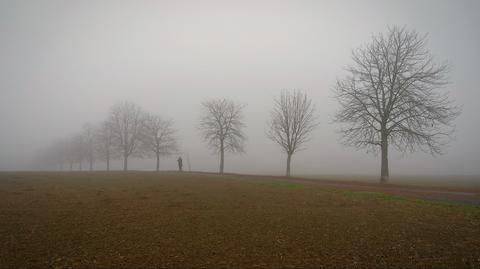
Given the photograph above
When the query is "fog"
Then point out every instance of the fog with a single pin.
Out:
(65, 63)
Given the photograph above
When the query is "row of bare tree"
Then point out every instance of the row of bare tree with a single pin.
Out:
(130, 131)
(389, 97)
(127, 131)
(292, 121)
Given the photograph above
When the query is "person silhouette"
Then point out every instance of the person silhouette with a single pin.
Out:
(180, 164)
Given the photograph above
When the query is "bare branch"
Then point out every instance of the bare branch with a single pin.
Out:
(126, 119)
(391, 96)
(158, 135)
(292, 121)
(221, 127)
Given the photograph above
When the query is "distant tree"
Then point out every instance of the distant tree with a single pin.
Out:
(70, 152)
(65, 153)
(292, 121)
(88, 133)
(390, 97)
(221, 127)
(126, 119)
(104, 138)
(78, 148)
(158, 137)
(57, 153)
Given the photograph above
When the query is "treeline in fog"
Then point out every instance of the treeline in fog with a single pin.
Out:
(128, 131)
(388, 98)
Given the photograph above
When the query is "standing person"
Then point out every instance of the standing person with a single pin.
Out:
(180, 164)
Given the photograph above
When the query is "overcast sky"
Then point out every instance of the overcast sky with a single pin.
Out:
(65, 63)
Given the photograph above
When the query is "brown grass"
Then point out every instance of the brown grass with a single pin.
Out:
(144, 219)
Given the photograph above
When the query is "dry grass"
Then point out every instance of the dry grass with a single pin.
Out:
(143, 219)
(457, 182)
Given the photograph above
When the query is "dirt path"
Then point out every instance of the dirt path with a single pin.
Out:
(419, 192)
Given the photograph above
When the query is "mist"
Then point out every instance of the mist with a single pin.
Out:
(65, 64)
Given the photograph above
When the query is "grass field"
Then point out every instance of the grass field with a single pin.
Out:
(471, 182)
(173, 220)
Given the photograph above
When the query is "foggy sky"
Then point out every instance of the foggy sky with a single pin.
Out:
(65, 63)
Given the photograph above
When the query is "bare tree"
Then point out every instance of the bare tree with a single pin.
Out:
(126, 119)
(68, 156)
(78, 148)
(292, 121)
(104, 142)
(89, 132)
(158, 137)
(57, 151)
(70, 152)
(221, 127)
(390, 97)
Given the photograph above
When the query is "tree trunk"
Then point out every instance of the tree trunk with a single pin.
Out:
(80, 166)
(289, 159)
(158, 161)
(222, 157)
(108, 162)
(125, 162)
(384, 169)
(91, 164)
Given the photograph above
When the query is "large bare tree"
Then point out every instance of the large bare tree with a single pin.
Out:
(221, 127)
(105, 142)
(158, 137)
(126, 120)
(391, 97)
(292, 121)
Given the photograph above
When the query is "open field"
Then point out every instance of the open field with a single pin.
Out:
(192, 220)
